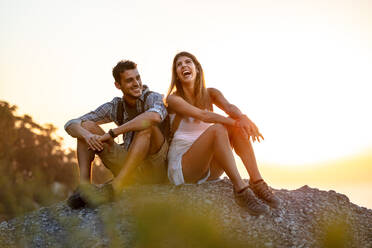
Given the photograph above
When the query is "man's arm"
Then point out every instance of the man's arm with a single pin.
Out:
(154, 114)
(140, 122)
(77, 131)
(100, 115)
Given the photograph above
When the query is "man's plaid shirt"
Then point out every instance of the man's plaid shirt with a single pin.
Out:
(107, 112)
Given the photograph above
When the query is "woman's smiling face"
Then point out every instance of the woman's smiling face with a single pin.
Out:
(186, 70)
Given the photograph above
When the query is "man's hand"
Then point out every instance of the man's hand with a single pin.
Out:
(94, 142)
(249, 129)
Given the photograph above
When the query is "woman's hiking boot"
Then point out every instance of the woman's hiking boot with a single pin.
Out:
(247, 200)
(262, 191)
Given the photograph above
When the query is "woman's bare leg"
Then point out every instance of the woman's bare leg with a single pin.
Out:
(216, 170)
(213, 143)
(244, 149)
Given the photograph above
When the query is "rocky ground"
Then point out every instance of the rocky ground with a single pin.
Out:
(195, 216)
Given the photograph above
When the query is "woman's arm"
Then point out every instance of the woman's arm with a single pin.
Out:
(244, 122)
(179, 105)
(220, 101)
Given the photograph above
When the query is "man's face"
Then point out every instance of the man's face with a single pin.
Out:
(130, 84)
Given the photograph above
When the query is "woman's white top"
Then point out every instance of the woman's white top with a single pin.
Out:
(188, 131)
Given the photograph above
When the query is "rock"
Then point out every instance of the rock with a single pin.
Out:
(268, 244)
(307, 217)
(278, 219)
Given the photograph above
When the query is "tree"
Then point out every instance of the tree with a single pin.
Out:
(34, 169)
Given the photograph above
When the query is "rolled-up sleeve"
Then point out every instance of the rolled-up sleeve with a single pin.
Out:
(101, 115)
(155, 103)
(77, 120)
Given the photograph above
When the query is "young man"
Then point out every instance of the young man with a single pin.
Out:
(139, 115)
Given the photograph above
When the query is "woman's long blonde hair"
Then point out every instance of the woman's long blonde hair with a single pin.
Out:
(202, 99)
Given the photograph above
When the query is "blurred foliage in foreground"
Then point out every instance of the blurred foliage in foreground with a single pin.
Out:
(160, 224)
(143, 221)
(34, 169)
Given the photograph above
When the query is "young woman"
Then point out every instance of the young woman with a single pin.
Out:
(201, 147)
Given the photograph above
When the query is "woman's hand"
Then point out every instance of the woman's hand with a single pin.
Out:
(241, 130)
(250, 128)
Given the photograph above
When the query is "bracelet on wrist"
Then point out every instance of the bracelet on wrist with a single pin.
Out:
(112, 134)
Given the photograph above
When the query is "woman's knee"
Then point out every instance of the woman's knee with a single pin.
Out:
(227, 131)
(220, 129)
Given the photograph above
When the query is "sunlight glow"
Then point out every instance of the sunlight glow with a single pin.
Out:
(300, 71)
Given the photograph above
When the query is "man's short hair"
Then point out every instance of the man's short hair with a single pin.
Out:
(121, 67)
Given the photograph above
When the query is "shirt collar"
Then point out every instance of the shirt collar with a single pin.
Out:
(144, 90)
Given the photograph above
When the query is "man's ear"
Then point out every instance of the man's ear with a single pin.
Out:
(117, 85)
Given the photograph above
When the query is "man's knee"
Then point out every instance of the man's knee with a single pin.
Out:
(92, 127)
(153, 135)
(145, 133)
(89, 125)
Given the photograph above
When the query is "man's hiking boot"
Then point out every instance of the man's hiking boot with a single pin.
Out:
(248, 201)
(76, 201)
(263, 192)
(91, 196)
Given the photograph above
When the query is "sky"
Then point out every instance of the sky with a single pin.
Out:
(301, 70)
